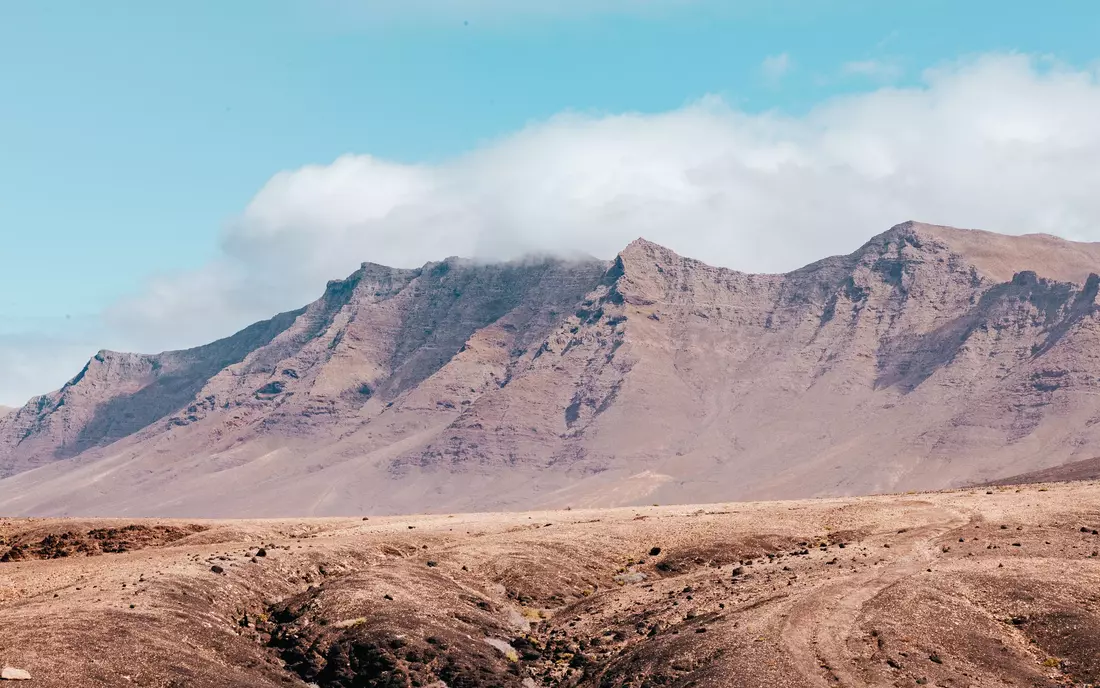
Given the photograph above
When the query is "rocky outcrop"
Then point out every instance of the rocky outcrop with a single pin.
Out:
(369, 339)
(900, 366)
(930, 357)
(117, 395)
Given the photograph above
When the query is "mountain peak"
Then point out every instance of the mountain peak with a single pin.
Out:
(644, 256)
(641, 243)
(999, 256)
(641, 247)
(920, 360)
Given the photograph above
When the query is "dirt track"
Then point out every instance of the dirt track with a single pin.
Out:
(825, 618)
(948, 589)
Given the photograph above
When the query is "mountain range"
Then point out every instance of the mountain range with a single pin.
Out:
(930, 358)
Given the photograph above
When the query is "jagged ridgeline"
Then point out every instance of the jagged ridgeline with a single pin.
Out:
(931, 357)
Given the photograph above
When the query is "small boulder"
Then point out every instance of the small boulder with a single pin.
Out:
(13, 674)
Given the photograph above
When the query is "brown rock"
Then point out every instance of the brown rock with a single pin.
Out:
(931, 357)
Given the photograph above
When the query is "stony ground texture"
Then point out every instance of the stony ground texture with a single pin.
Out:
(980, 587)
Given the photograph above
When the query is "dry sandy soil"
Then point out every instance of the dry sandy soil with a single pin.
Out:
(978, 587)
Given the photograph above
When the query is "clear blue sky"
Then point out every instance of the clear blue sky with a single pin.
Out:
(131, 130)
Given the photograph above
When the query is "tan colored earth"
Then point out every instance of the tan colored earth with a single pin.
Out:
(975, 587)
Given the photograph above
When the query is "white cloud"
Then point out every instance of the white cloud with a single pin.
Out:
(999, 142)
(775, 67)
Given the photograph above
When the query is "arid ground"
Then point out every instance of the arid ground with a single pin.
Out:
(977, 587)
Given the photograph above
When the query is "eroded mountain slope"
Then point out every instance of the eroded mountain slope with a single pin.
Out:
(901, 366)
(117, 395)
(928, 358)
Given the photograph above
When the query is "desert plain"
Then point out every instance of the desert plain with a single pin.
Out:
(984, 586)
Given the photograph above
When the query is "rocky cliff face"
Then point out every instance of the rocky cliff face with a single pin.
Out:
(341, 360)
(905, 365)
(117, 395)
(930, 357)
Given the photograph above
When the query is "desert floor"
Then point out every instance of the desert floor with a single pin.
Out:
(977, 587)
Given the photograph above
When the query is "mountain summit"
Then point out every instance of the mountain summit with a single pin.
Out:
(931, 357)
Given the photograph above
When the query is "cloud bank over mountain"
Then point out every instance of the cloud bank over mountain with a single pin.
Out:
(1004, 142)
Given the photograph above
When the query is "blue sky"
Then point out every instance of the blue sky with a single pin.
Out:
(132, 133)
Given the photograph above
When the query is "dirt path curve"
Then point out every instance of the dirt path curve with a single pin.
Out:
(820, 621)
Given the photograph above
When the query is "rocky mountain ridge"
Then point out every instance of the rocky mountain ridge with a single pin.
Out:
(928, 358)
